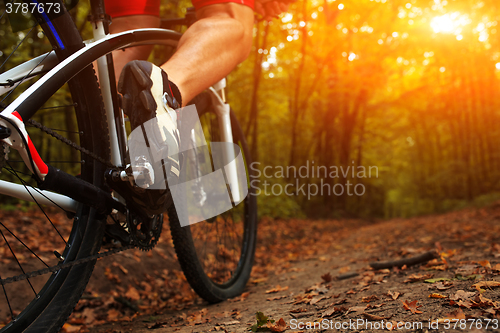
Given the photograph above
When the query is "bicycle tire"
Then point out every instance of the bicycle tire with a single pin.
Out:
(219, 286)
(55, 301)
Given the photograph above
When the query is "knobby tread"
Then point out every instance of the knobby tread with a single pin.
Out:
(90, 114)
(185, 248)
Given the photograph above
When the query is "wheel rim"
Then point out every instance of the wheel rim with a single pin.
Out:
(222, 242)
(28, 244)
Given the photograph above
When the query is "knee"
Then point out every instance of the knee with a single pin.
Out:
(245, 39)
(236, 18)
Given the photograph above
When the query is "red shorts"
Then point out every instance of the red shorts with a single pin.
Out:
(116, 8)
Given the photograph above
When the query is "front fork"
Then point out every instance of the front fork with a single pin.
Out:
(223, 112)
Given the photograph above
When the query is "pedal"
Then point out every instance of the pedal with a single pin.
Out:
(141, 175)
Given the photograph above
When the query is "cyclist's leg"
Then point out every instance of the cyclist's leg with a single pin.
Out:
(207, 52)
(123, 23)
(211, 48)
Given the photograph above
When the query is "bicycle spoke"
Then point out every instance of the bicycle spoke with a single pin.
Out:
(18, 263)
(27, 75)
(7, 299)
(20, 241)
(15, 49)
(36, 202)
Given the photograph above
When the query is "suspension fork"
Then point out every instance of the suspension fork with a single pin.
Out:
(223, 112)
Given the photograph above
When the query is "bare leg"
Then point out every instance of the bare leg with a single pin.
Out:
(123, 23)
(207, 52)
(211, 48)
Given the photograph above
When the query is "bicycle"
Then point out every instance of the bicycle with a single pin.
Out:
(55, 276)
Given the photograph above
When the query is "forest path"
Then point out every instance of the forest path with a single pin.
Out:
(295, 262)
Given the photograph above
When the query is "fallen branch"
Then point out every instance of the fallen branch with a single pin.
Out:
(424, 257)
(346, 276)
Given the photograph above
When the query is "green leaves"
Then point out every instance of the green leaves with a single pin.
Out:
(261, 322)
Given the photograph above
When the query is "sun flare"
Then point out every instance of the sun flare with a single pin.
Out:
(450, 23)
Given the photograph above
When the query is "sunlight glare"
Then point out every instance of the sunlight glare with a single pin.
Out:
(449, 23)
(287, 18)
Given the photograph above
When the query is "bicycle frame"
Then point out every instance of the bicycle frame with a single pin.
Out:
(26, 105)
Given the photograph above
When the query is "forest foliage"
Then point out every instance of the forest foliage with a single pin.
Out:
(406, 86)
(402, 92)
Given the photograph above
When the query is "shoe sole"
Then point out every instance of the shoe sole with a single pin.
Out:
(136, 82)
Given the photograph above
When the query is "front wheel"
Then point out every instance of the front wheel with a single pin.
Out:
(217, 254)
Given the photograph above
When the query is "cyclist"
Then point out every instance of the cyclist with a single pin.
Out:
(209, 50)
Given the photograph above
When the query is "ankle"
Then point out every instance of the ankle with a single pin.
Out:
(172, 89)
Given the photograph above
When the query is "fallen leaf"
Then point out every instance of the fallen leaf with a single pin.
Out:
(412, 306)
(417, 277)
(393, 295)
(71, 328)
(316, 299)
(374, 317)
(277, 289)
(298, 310)
(344, 269)
(485, 264)
(482, 301)
(330, 311)
(123, 269)
(463, 304)
(133, 294)
(221, 315)
(487, 284)
(280, 326)
(276, 298)
(340, 301)
(259, 280)
(368, 299)
(443, 285)
(467, 270)
(89, 315)
(113, 315)
(458, 314)
(376, 305)
(327, 277)
(468, 277)
(436, 295)
(357, 308)
(261, 321)
(462, 295)
(436, 280)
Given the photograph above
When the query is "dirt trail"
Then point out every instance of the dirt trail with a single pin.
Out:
(146, 292)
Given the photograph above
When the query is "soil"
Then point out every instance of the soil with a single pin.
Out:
(296, 277)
